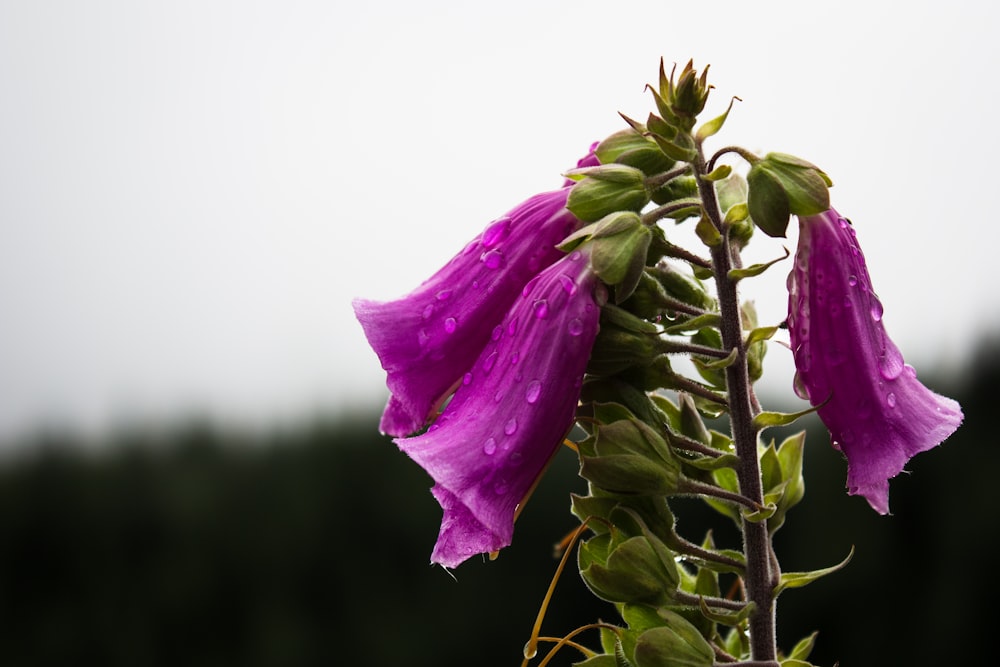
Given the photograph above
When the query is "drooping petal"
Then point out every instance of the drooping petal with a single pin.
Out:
(429, 338)
(878, 414)
(512, 410)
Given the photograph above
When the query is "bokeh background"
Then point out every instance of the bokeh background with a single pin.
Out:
(192, 192)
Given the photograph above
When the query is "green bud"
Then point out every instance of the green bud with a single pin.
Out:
(607, 189)
(628, 474)
(686, 289)
(805, 183)
(767, 201)
(631, 147)
(620, 245)
(676, 644)
(682, 187)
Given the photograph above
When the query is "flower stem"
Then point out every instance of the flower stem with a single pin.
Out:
(761, 573)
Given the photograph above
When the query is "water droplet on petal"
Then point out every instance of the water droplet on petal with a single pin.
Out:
(515, 458)
(844, 223)
(497, 397)
(890, 400)
(800, 388)
(890, 364)
(568, 285)
(876, 309)
(575, 326)
(490, 360)
(541, 308)
(428, 311)
(533, 392)
(910, 370)
(500, 487)
(496, 232)
(497, 332)
(575, 256)
(423, 338)
(493, 259)
(852, 281)
(443, 294)
(490, 447)
(510, 427)
(512, 328)
(514, 358)
(450, 325)
(467, 380)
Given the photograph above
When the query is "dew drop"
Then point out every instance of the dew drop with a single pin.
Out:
(890, 364)
(890, 400)
(467, 380)
(475, 284)
(515, 458)
(497, 332)
(575, 326)
(450, 325)
(533, 392)
(443, 295)
(541, 308)
(876, 309)
(500, 487)
(852, 281)
(490, 447)
(800, 388)
(510, 427)
(493, 259)
(567, 284)
(512, 327)
(497, 397)
(910, 370)
(844, 223)
(496, 232)
(489, 362)
(428, 311)
(514, 358)
(423, 338)
(575, 256)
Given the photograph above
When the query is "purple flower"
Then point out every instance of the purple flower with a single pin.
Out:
(512, 410)
(878, 413)
(429, 338)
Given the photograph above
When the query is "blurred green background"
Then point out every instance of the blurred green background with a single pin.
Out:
(197, 545)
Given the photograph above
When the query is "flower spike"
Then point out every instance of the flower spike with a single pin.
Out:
(878, 414)
(512, 410)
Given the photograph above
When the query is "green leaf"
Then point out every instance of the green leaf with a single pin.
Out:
(707, 232)
(799, 579)
(678, 644)
(760, 334)
(719, 173)
(694, 324)
(769, 419)
(628, 474)
(737, 213)
(714, 125)
(803, 648)
(718, 364)
(755, 269)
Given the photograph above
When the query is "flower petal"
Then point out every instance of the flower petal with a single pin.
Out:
(511, 412)
(876, 410)
(428, 339)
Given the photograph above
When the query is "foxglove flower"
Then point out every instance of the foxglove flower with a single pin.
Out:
(878, 413)
(429, 338)
(512, 410)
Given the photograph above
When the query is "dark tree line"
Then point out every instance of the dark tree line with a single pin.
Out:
(199, 546)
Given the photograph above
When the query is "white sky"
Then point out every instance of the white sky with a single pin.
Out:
(192, 191)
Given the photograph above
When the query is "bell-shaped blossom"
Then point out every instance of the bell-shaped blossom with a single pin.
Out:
(511, 411)
(429, 338)
(878, 414)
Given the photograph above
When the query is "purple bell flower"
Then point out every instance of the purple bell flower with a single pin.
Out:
(878, 414)
(511, 411)
(429, 338)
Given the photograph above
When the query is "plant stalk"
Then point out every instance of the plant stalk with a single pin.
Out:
(761, 572)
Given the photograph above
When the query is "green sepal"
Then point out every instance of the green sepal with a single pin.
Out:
(603, 660)
(588, 507)
(694, 324)
(719, 173)
(767, 201)
(760, 334)
(676, 644)
(718, 364)
(731, 191)
(725, 617)
(726, 479)
(674, 151)
(803, 648)
(806, 185)
(626, 320)
(755, 269)
(686, 289)
(682, 187)
(763, 514)
(606, 189)
(713, 126)
(631, 436)
(706, 231)
(800, 579)
(692, 424)
(737, 213)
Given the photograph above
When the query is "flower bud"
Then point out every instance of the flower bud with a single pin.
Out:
(607, 189)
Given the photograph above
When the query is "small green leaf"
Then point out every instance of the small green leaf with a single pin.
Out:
(707, 232)
(737, 213)
(694, 324)
(803, 648)
(799, 579)
(755, 269)
(719, 364)
(759, 334)
(719, 173)
(714, 125)
(769, 419)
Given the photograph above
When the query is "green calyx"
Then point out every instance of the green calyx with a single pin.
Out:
(606, 189)
(619, 245)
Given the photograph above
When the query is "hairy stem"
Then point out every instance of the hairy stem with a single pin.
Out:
(760, 571)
